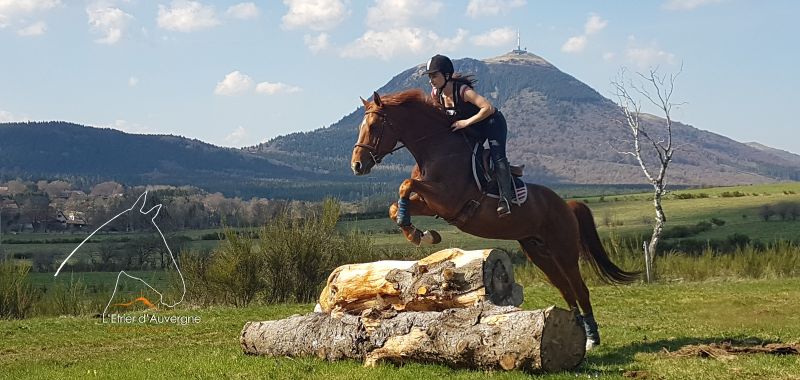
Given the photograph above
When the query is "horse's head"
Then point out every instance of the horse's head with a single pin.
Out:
(376, 137)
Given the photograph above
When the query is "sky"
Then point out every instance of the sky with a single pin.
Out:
(240, 73)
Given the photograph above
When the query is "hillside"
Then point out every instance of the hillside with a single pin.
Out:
(561, 129)
(66, 150)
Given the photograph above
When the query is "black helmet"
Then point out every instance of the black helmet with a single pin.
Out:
(441, 64)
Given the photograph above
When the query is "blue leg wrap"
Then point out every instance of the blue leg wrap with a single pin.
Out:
(592, 332)
(403, 216)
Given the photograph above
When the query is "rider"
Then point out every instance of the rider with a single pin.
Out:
(470, 109)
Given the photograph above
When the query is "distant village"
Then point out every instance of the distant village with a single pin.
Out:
(55, 206)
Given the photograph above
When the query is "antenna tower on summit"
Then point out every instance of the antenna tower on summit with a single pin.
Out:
(519, 49)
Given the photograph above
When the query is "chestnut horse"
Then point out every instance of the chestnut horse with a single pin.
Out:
(552, 233)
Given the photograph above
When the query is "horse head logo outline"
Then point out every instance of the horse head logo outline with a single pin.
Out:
(153, 213)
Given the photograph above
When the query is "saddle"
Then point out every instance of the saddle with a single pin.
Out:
(484, 174)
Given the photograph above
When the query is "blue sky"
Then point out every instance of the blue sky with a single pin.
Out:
(238, 73)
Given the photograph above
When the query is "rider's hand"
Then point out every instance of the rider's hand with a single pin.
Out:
(459, 124)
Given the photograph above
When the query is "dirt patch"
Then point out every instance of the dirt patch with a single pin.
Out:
(729, 351)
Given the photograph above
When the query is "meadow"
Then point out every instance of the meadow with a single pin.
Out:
(640, 325)
(746, 295)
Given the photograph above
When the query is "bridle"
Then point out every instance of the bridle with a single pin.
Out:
(385, 123)
(373, 150)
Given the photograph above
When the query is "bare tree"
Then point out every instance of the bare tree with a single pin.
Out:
(657, 89)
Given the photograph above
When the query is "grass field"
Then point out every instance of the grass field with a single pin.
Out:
(638, 324)
(620, 215)
(632, 214)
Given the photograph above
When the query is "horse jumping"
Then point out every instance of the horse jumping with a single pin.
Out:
(553, 233)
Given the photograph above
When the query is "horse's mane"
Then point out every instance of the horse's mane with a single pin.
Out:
(417, 99)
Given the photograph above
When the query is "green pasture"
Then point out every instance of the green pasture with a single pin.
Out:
(639, 325)
(632, 214)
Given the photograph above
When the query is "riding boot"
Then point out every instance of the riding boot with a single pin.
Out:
(505, 185)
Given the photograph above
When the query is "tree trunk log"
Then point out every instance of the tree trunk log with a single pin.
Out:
(478, 337)
(450, 278)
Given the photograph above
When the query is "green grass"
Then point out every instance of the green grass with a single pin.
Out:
(631, 214)
(637, 322)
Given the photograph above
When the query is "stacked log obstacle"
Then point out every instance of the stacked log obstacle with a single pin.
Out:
(483, 336)
(440, 309)
(450, 278)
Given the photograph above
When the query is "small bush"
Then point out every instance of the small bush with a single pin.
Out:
(212, 236)
(717, 222)
(733, 194)
(288, 260)
(66, 298)
(17, 295)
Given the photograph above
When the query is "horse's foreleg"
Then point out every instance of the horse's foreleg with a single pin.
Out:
(412, 204)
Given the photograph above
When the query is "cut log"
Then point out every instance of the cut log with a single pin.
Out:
(450, 278)
(479, 337)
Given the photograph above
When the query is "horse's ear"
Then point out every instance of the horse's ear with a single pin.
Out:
(377, 99)
(366, 103)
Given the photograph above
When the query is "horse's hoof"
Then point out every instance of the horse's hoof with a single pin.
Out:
(430, 237)
(416, 238)
(590, 344)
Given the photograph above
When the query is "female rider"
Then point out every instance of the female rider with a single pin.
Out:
(456, 94)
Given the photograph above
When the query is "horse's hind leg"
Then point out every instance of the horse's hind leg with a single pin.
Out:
(543, 258)
(562, 270)
(567, 261)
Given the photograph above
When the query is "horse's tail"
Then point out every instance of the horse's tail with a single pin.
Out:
(593, 251)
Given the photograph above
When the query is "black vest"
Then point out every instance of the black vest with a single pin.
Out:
(461, 110)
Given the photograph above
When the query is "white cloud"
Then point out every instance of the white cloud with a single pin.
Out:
(186, 16)
(477, 8)
(394, 42)
(35, 29)
(314, 14)
(495, 37)
(577, 44)
(594, 24)
(18, 7)
(608, 56)
(234, 83)
(109, 22)
(8, 117)
(387, 14)
(129, 127)
(237, 136)
(133, 81)
(318, 43)
(10, 10)
(244, 11)
(275, 88)
(647, 56)
(574, 44)
(686, 5)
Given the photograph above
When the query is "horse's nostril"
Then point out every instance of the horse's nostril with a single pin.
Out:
(357, 166)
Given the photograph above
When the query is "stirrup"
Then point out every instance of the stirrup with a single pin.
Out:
(503, 208)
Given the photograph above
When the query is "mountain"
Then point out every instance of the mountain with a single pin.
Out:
(66, 150)
(561, 129)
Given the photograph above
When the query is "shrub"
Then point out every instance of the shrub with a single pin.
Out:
(288, 261)
(66, 298)
(729, 194)
(17, 295)
(717, 222)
